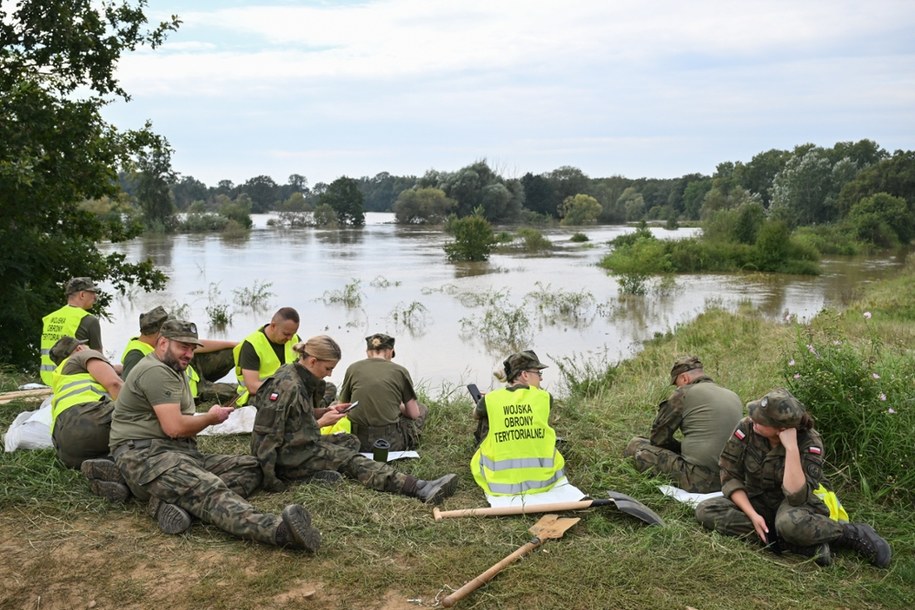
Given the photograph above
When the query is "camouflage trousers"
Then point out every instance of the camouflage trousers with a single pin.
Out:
(660, 461)
(805, 525)
(403, 435)
(340, 452)
(81, 432)
(213, 366)
(213, 488)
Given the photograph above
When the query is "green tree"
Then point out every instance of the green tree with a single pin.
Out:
(154, 177)
(422, 206)
(473, 238)
(632, 203)
(58, 61)
(579, 210)
(344, 196)
(324, 216)
(264, 193)
(883, 220)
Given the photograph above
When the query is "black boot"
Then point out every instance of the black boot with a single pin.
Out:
(105, 479)
(172, 519)
(295, 530)
(862, 538)
(433, 492)
(821, 553)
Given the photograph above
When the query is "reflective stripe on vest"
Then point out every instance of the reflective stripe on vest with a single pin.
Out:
(193, 378)
(267, 360)
(519, 453)
(55, 325)
(72, 390)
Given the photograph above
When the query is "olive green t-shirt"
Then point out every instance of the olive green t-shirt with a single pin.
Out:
(151, 383)
(380, 386)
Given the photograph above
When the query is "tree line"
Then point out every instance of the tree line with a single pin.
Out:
(70, 180)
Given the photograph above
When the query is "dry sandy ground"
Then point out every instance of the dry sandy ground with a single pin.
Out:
(49, 563)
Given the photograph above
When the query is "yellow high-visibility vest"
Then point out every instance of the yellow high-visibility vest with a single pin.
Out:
(55, 325)
(72, 390)
(268, 361)
(519, 453)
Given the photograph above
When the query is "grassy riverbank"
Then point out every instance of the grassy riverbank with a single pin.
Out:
(64, 548)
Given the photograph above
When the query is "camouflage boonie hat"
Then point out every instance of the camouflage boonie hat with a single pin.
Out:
(778, 409)
(682, 365)
(180, 330)
(152, 320)
(78, 284)
(379, 341)
(64, 347)
(521, 361)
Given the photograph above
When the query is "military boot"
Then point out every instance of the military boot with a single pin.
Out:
(295, 530)
(433, 492)
(172, 519)
(105, 479)
(821, 553)
(862, 538)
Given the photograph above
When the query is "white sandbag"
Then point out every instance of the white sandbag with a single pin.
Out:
(241, 421)
(30, 429)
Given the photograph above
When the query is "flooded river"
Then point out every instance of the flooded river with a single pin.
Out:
(454, 322)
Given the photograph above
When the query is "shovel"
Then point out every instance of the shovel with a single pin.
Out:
(549, 526)
(624, 503)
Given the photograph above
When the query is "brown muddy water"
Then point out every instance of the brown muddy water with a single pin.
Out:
(454, 322)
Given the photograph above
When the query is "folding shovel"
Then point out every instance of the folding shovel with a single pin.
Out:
(624, 503)
(549, 526)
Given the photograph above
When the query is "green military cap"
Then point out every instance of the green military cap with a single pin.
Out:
(64, 347)
(180, 330)
(778, 409)
(682, 365)
(78, 284)
(379, 341)
(152, 320)
(521, 361)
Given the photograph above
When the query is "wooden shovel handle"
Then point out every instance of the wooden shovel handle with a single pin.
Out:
(488, 575)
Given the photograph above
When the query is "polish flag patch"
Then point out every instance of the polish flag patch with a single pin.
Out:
(815, 450)
(274, 396)
(739, 434)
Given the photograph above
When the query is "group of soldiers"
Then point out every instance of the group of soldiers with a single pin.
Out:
(131, 426)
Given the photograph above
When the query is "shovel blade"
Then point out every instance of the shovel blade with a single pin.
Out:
(631, 506)
(552, 526)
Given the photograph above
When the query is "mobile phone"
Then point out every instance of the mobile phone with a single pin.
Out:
(474, 392)
(351, 407)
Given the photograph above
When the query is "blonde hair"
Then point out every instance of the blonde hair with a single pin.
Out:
(321, 347)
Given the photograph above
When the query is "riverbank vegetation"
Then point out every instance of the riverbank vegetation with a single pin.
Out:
(386, 551)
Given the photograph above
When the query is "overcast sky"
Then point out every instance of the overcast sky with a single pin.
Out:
(614, 87)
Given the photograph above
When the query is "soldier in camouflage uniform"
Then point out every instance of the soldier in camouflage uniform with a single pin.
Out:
(153, 440)
(769, 469)
(705, 414)
(287, 439)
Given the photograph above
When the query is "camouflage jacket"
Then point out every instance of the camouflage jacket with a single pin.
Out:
(285, 431)
(750, 463)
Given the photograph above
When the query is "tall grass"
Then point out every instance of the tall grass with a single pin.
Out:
(864, 397)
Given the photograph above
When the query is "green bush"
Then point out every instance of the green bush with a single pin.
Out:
(473, 238)
(533, 240)
(863, 403)
(578, 237)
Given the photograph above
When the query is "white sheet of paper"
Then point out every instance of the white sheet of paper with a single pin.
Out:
(685, 496)
(561, 492)
(396, 455)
